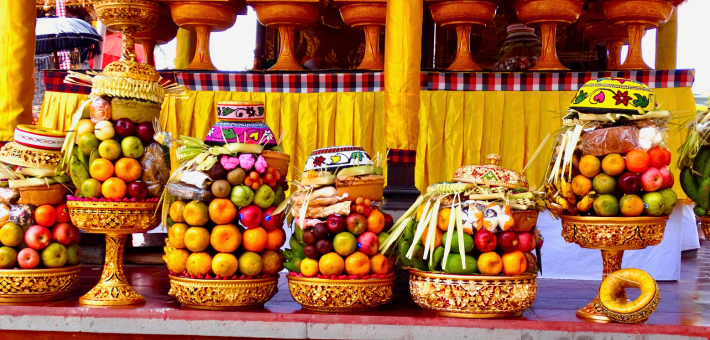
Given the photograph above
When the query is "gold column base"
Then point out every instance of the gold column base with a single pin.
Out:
(113, 288)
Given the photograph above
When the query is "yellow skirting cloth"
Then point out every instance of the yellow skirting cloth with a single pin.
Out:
(307, 121)
(459, 128)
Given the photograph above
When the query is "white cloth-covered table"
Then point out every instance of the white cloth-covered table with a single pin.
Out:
(562, 260)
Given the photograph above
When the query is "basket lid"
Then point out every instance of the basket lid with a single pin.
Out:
(613, 95)
(491, 174)
(337, 157)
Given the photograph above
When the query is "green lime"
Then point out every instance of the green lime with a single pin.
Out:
(467, 242)
(454, 265)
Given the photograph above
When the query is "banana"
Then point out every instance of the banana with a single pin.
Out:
(585, 203)
(562, 202)
(554, 208)
(566, 190)
(93, 156)
(79, 174)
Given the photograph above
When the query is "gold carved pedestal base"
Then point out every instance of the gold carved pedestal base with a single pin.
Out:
(113, 288)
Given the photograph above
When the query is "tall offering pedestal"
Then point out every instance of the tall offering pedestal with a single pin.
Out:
(287, 16)
(370, 15)
(603, 33)
(205, 17)
(163, 32)
(637, 16)
(462, 14)
(548, 14)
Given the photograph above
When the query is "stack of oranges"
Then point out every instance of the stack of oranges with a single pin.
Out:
(210, 241)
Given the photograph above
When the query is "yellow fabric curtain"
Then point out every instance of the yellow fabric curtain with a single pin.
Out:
(185, 48)
(403, 42)
(17, 47)
(459, 128)
(307, 121)
(667, 43)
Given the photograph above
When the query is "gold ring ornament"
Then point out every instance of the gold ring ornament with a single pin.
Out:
(613, 298)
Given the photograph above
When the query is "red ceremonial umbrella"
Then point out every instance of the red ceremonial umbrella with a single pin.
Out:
(113, 46)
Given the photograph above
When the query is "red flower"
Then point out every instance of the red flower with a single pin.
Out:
(318, 161)
(622, 97)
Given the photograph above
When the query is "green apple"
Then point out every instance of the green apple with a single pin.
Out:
(11, 235)
(279, 196)
(264, 196)
(110, 149)
(73, 254)
(54, 256)
(241, 195)
(132, 147)
(88, 142)
(653, 204)
(8, 257)
(669, 200)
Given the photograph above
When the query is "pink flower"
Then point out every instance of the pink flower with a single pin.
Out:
(229, 162)
(261, 164)
(246, 161)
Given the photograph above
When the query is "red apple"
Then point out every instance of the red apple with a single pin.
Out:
(336, 224)
(667, 177)
(630, 183)
(526, 242)
(269, 221)
(250, 216)
(145, 132)
(667, 153)
(356, 223)
(368, 243)
(124, 127)
(137, 190)
(77, 235)
(389, 222)
(63, 233)
(485, 241)
(651, 179)
(508, 241)
(62, 213)
(28, 258)
(38, 237)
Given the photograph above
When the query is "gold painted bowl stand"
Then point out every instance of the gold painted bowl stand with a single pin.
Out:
(605, 34)
(611, 235)
(548, 14)
(223, 294)
(463, 14)
(287, 16)
(37, 285)
(128, 17)
(637, 16)
(340, 296)
(162, 33)
(116, 220)
(370, 16)
(473, 296)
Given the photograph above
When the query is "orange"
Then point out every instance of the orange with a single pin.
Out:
(442, 221)
(309, 267)
(275, 239)
(195, 213)
(176, 235)
(101, 169)
(175, 211)
(113, 188)
(631, 205)
(437, 237)
(379, 264)
(272, 262)
(514, 263)
(177, 260)
(255, 239)
(637, 160)
(356, 264)
(331, 264)
(225, 238)
(222, 211)
(589, 166)
(197, 239)
(581, 185)
(613, 164)
(199, 264)
(45, 215)
(225, 264)
(490, 263)
(128, 169)
(375, 222)
(250, 263)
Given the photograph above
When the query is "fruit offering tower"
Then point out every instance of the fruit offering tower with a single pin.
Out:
(39, 247)
(694, 169)
(476, 235)
(224, 238)
(339, 227)
(608, 178)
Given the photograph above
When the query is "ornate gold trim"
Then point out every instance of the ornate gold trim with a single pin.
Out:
(223, 294)
(614, 233)
(472, 296)
(338, 296)
(115, 217)
(36, 285)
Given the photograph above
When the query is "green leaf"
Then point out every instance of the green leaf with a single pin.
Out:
(640, 101)
(580, 97)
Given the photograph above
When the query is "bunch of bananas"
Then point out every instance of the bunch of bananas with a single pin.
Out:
(560, 199)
